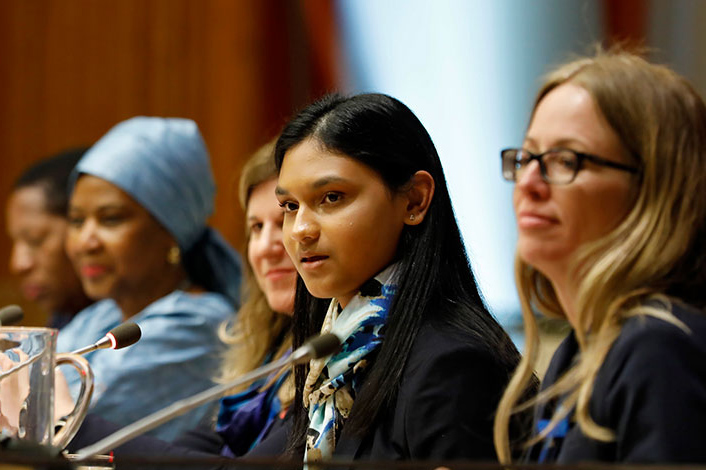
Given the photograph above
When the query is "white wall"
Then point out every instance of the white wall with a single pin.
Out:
(469, 69)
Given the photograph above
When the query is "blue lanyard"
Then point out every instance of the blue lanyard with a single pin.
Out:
(558, 432)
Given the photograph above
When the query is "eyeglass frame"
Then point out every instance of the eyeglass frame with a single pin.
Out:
(580, 158)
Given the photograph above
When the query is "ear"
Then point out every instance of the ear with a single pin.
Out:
(420, 192)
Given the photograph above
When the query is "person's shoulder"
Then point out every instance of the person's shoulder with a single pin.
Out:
(210, 306)
(438, 350)
(93, 321)
(96, 309)
(448, 394)
(441, 336)
(435, 340)
(647, 344)
(102, 314)
(683, 327)
(652, 385)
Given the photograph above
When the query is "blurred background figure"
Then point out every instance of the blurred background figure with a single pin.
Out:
(138, 239)
(36, 224)
(261, 333)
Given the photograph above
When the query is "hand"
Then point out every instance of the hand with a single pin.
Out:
(63, 401)
(14, 390)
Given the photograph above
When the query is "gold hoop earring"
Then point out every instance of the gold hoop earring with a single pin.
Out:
(174, 256)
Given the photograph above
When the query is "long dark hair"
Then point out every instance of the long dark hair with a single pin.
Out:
(436, 283)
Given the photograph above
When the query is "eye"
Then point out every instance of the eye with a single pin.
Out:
(522, 158)
(34, 241)
(256, 227)
(332, 198)
(289, 206)
(75, 221)
(565, 159)
(111, 219)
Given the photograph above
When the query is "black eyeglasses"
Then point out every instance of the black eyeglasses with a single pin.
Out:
(557, 166)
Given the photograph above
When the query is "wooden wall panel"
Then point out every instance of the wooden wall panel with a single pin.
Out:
(626, 22)
(71, 69)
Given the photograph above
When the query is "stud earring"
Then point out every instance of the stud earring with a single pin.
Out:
(411, 217)
(174, 256)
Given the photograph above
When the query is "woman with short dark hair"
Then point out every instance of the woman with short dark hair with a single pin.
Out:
(36, 224)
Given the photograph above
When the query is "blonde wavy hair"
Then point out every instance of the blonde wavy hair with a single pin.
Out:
(258, 331)
(652, 258)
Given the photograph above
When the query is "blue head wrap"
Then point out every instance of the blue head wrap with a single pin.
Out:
(164, 165)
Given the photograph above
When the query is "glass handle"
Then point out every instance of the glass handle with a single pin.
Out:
(76, 417)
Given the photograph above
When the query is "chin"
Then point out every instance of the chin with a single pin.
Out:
(96, 294)
(48, 306)
(538, 253)
(283, 305)
(315, 289)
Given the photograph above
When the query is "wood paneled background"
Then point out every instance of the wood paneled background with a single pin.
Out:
(71, 69)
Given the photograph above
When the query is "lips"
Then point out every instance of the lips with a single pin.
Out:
(313, 259)
(32, 291)
(311, 262)
(93, 270)
(279, 273)
(535, 220)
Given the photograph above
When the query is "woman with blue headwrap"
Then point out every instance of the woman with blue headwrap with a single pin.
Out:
(139, 241)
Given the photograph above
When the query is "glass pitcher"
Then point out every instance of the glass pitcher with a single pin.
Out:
(27, 361)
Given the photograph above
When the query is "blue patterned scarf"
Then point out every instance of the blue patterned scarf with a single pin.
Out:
(332, 383)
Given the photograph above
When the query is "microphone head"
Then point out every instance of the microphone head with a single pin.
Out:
(124, 335)
(323, 345)
(11, 315)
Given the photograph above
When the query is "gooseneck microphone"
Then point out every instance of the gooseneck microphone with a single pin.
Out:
(11, 315)
(119, 337)
(314, 348)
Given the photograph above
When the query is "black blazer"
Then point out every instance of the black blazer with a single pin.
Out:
(444, 409)
(650, 390)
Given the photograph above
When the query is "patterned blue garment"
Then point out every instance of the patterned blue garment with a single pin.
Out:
(178, 355)
(244, 418)
(333, 382)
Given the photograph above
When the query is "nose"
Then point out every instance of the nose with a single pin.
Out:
(21, 259)
(305, 228)
(530, 181)
(269, 242)
(85, 238)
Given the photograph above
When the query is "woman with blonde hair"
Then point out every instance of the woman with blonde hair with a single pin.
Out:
(611, 214)
(262, 331)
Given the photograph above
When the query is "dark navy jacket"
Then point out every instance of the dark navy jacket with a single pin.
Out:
(651, 391)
